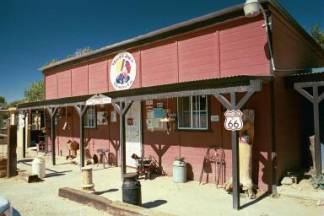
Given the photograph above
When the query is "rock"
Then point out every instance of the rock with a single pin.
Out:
(287, 181)
(320, 203)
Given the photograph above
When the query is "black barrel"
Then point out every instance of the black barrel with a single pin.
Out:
(132, 189)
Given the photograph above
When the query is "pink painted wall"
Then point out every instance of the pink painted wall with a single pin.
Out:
(98, 81)
(50, 80)
(292, 50)
(192, 145)
(211, 53)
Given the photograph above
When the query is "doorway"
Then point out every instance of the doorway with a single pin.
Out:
(133, 133)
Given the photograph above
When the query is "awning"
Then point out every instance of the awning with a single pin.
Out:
(222, 85)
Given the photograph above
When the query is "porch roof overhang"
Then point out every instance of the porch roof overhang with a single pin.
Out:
(309, 84)
(210, 86)
(308, 77)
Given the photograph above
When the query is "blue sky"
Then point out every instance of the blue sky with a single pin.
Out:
(34, 32)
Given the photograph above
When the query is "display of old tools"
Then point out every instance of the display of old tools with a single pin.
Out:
(214, 157)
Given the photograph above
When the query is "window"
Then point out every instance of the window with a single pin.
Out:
(90, 118)
(193, 113)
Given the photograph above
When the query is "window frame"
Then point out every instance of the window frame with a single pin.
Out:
(191, 128)
(86, 121)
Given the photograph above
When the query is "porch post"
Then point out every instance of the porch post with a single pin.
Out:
(318, 164)
(24, 136)
(235, 161)
(122, 140)
(122, 109)
(315, 99)
(255, 85)
(81, 109)
(52, 112)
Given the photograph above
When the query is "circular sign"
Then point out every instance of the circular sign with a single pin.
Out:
(123, 71)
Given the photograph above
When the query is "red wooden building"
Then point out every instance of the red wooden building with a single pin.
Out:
(194, 70)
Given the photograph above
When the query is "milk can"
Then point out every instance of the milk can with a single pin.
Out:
(38, 167)
(131, 189)
(179, 174)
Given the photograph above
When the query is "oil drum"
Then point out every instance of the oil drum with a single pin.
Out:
(131, 189)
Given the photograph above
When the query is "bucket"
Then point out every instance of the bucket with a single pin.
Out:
(131, 189)
(179, 174)
(38, 167)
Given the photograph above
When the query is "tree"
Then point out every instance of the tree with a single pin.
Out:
(2, 102)
(35, 92)
(318, 35)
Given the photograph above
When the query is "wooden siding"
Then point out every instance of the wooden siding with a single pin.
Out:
(80, 80)
(236, 49)
(98, 77)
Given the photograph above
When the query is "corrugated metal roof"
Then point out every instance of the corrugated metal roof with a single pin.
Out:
(307, 75)
(175, 87)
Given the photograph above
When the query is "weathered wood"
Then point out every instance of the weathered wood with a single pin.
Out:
(235, 162)
(315, 99)
(305, 93)
(24, 137)
(122, 109)
(11, 153)
(52, 112)
(318, 164)
(81, 109)
(232, 105)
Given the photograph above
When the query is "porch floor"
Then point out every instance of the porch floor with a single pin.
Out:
(162, 195)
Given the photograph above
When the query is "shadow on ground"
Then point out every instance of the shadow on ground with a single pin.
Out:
(106, 191)
(259, 198)
(56, 173)
(154, 204)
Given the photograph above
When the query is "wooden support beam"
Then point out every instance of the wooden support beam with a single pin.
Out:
(321, 97)
(305, 93)
(318, 164)
(232, 105)
(235, 162)
(52, 112)
(315, 99)
(122, 109)
(81, 110)
(24, 136)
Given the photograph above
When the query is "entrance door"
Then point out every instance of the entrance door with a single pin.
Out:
(133, 133)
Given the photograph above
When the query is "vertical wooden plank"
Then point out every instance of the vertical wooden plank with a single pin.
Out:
(122, 139)
(318, 165)
(53, 137)
(11, 152)
(235, 162)
(82, 161)
(24, 137)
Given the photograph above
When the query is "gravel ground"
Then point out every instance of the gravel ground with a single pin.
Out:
(41, 199)
(160, 194)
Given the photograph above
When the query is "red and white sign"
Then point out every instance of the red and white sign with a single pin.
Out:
(123, 71)
(233, 120)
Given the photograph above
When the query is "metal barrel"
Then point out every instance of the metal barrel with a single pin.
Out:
(131, 189)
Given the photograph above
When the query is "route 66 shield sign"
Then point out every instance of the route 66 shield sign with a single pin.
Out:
(233, 120)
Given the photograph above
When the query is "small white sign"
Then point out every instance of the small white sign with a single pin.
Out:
(233, 120)
(113, 116)
(214, 118)
(98, 99)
